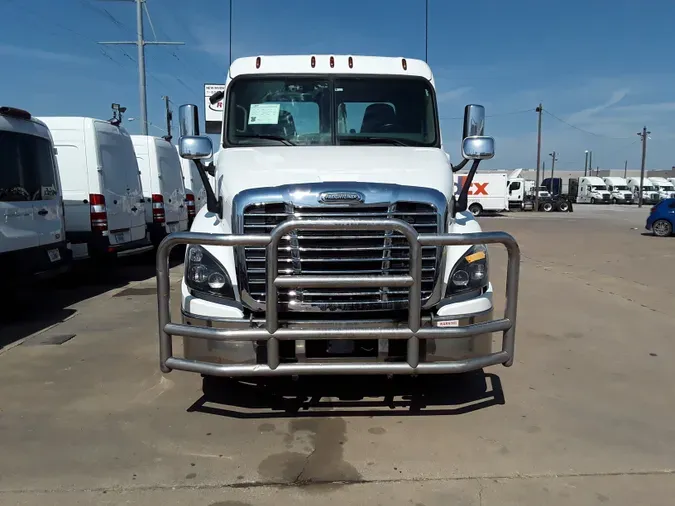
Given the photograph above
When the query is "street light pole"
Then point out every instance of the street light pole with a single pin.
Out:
(586, 164)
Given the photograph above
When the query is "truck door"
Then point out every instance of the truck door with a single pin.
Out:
(516, 191)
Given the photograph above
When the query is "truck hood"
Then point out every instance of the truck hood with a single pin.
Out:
(256, 167)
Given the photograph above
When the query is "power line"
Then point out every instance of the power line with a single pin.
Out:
(140, 44)
(581, 129)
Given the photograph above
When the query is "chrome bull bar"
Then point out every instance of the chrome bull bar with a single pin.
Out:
(272, 334)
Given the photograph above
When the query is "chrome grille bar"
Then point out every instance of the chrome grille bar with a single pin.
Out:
(346, 252)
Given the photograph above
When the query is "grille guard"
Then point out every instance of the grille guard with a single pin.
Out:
(272, 334)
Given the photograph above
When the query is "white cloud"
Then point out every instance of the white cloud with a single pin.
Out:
(452, 95)
(586, 114)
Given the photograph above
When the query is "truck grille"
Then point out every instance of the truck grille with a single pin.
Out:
(605, 198)
(340, 253)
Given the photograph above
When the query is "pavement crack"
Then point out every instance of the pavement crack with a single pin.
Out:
(298, 478)
(277, 484)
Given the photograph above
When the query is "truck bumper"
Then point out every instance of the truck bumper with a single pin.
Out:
(195, 311)
(219, 341)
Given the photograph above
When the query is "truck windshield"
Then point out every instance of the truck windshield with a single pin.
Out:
(646, 188)
(667, 187)
(620, 187)
(331, 110)
(598, 187)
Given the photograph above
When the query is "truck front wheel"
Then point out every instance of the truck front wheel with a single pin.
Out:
(476, 209)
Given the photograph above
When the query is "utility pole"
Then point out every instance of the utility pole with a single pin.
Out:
(169, 118)
(643, 135)
(140, 43)
(625, 169)
(536, 189)
(552, 155)
(426, 31)
(586, 165)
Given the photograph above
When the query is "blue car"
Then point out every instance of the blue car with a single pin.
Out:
(661, 218)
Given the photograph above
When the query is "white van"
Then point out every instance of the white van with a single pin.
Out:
(195, 193)
(163, 187)
(32, 225)
(105, 211)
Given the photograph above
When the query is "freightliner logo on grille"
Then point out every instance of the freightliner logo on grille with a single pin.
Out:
(341, 197)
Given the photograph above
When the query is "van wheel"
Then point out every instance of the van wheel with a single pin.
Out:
(563, 206)
(547, 207)
(476, 209)
(662, 228)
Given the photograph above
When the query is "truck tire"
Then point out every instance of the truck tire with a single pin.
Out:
(592, 200)
(662, 228)
(547, 207)
(563, 206)
(476, 209)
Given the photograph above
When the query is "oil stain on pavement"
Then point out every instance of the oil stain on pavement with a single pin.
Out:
(325, 463)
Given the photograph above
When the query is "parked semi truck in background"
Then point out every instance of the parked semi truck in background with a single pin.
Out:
(333, 242)
(618, 189)
(650, 194)
(665, 188)
(588, 190)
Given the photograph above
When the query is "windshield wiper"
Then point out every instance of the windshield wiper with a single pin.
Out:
(375, 140)
(283, 140)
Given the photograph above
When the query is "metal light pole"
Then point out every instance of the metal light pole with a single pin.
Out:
(586, 164)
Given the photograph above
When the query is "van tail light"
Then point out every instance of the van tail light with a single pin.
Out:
(98, 213)
(158, 213)
(190, 203)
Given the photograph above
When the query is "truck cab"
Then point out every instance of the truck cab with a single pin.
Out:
(332, 242)
(650, 194)
(593, 190)
(618, 189)
(665, 188)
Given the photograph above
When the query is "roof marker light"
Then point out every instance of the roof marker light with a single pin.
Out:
(332, 62)
(404, 63)
(313, 62)
(257, 62)
(351, 62)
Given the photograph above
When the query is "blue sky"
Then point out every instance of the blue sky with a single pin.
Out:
(603, 69)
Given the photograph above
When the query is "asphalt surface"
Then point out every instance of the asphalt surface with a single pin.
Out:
(583, 417)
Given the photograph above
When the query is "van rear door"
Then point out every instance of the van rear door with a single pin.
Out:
(172, 186)
(134, 187)
(17, 228)
(110, 143)
(48, 201)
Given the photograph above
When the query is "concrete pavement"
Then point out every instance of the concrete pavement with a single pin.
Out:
(583, 417)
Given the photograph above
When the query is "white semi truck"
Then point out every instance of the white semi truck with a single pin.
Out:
(333, 242)
(665, 188)
(618, 189)
(589, 190)
(650, 194)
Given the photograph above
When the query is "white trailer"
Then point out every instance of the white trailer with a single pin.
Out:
(618, 189)
(488, 193)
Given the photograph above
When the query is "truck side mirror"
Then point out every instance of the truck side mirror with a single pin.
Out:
(192, 146)
(478, 148)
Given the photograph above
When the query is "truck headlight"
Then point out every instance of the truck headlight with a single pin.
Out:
(470, 271)
(203, 273)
